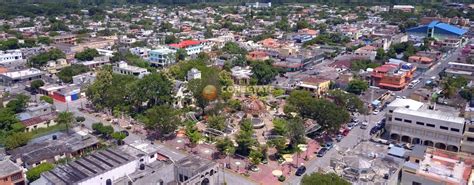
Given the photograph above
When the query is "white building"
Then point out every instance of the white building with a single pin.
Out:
(193, 74)
(105, 52)
(141, 52)
(10, 56)
(102, 167)
(21, 76)
(162, 57)
(413, 122)
(125, 69)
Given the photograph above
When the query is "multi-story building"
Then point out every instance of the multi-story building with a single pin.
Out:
(434, 169)
(195, 170)
(65, 39)
(11, 173)
(125, 69)
(190, 46)
(467, 144)
(460, 69)
(447, 35)
(25, 75)
(9, 56)
(162, 57)
(413, 122)
(393, 75)
(316, 85)
(142, 52)
(404, 8)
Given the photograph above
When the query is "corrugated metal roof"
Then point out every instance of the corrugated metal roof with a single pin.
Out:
(450, 28)
(432, 24)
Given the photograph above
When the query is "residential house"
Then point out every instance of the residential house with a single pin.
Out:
(190, 46)
(317, 85)
(162, 57)
(25, 75)
(125, 69)
(11, 173)
(10, 56)
(241, 76)
(193, 74)
(38, 115)
(257, 56)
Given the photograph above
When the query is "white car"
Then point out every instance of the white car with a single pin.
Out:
(375, 112)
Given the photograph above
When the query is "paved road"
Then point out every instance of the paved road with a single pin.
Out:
(350, 141)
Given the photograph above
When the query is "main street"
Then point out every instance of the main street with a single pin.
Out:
(354, 137)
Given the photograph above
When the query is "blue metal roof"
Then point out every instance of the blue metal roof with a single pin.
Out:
(451, 29)
(432, 24)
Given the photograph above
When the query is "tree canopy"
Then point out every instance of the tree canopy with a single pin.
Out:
(87, 55)
(323, 179)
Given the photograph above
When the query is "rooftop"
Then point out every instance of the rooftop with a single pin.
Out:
(47, 149)
(411, 104)
(185, 43)
(194, 164)
(87, 167)
(23, 73)
(441, 168)
(451, 117)
(7, 168)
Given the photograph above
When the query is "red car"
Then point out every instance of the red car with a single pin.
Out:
(345, 132)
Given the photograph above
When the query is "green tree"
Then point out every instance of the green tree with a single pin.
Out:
(225, 145)
(295, 131)
(357, 86)
(17, 139)
(87, 55)
(119, 137)
(255, 157)
(193, 134)
(101, 129)
(36, 84)
(323, 179)
(181, 54)
(68, 72)
(349, 101)
(233, 48)
(170, 39)
(263, 72)
(244, 138)
(42, 58)
(280, 126)
(47, 99)
(8, 119)
(18, 104)
(35, 172)
(66, 118)
(162, 119)
(216, 122)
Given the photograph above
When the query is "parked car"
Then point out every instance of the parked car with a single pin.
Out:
(364, 125)
(375, 112)
(374, 130)
(300, 171)
(350, 126)
(339, 137)
(345, 132)
(328, 145)
(322, 151)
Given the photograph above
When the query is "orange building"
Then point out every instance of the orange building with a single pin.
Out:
(421, 61)
(392, 76)
(257, 56)
(270, 43)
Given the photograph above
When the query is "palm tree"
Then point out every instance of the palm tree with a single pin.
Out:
(66, 118)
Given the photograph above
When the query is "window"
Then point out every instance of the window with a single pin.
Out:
(420, 123)
(430, 125)
(471, 139)
(471, 129)
(415, 183)
(407, 121)
(454, 129)
(152, 155)
(398, 119)
(443, 127)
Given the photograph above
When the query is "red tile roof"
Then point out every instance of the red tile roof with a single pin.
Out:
(185, 44)
(39, 119)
